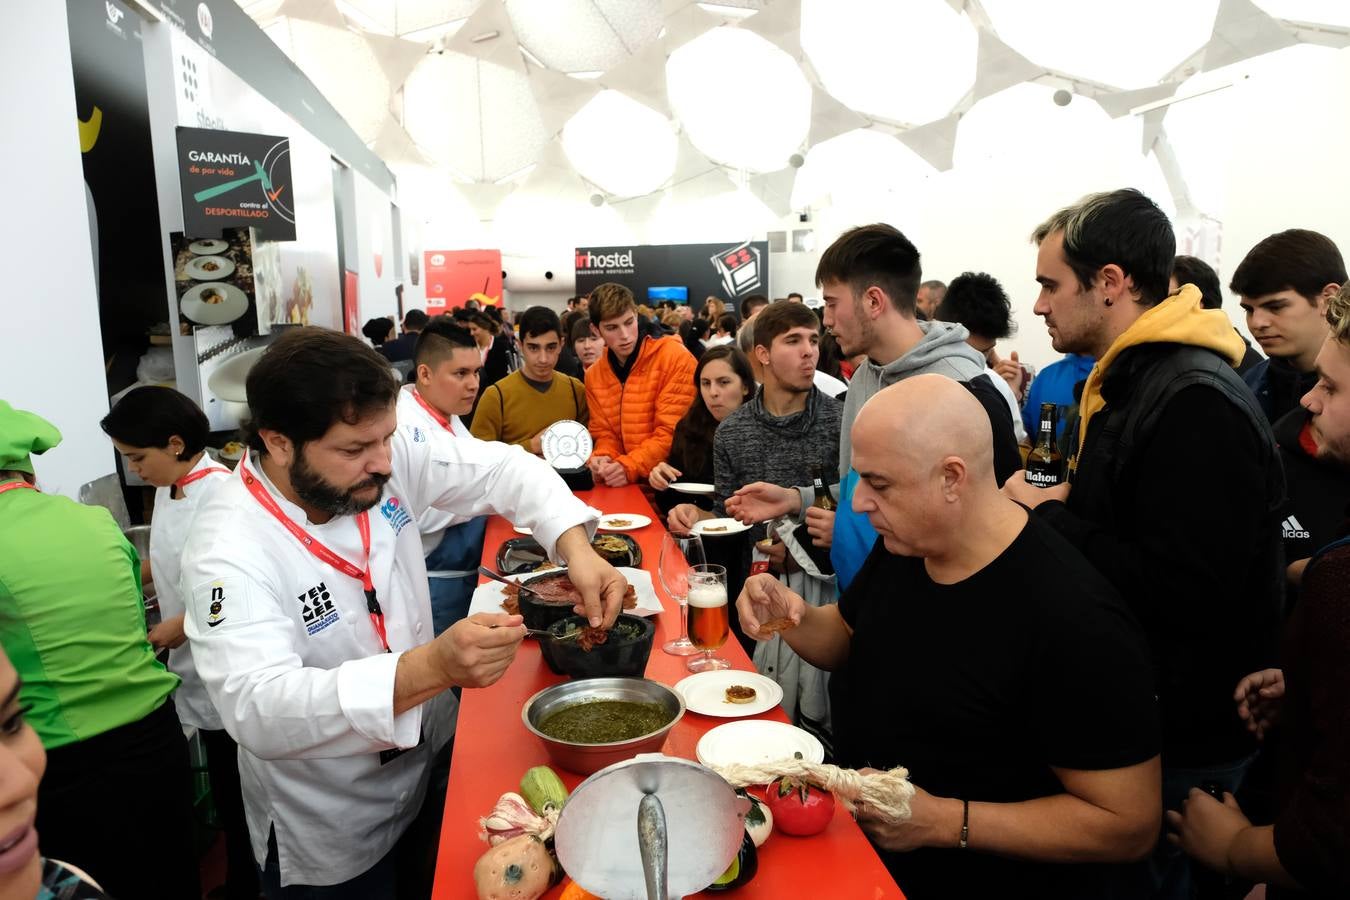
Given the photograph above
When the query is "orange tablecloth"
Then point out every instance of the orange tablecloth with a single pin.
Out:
(493, 750)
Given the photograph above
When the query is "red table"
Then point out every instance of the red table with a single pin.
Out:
(493, 749)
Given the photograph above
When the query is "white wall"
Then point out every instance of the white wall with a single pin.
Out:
(50, 349)
(1288, 168)
(374, 263)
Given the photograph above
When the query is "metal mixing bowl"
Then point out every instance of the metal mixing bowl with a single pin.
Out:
(585, 759)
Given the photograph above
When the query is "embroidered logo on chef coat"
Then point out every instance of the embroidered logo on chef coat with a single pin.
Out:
(419, 437)
(316, 609)
(394, 513)
(217, 605)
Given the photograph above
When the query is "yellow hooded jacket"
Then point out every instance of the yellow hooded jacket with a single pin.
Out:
(1179, 319)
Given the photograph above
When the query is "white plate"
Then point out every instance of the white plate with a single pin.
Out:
(521, 529)
(693, 487)
(718, 527)
(633, 522)
(197, 268)
(706, 693)
(566, 444)
(753, 742)
(233, 456)
(208, 247)
(488, 597)
(233, 304)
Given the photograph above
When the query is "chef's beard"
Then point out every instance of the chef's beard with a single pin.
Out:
(321, 494)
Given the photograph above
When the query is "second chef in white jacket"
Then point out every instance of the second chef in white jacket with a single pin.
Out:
(309, 615)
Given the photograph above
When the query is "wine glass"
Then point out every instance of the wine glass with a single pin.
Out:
(679, 552)
(709, 618)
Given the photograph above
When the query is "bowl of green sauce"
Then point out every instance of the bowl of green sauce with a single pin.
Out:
(592, 723)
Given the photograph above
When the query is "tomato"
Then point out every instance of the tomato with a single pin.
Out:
(799, 808)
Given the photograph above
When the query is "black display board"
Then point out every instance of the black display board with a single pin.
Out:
(729, 271)
(231, 179)
(113, 116)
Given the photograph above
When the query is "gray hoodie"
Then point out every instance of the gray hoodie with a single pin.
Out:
(943, 351)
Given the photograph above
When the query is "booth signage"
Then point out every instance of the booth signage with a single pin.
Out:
(231, 179)
(729, 271)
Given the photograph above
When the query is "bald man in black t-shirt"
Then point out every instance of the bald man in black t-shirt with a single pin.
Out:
(979, 649)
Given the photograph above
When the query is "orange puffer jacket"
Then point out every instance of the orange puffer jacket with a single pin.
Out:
(633, 422)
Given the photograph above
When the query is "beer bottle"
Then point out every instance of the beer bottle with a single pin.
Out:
(1045, 465)
(823, 498)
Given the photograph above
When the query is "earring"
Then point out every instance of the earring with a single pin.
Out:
(1108, 301)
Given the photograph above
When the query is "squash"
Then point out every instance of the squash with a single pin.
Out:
(518, 869)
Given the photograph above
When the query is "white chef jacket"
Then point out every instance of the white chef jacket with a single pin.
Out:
(289, 655)
(169, 528)
(432, 522)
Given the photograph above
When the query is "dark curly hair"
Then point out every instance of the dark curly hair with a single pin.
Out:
(309, 379)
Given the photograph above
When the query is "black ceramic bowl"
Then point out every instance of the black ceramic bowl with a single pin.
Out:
(538, 614)
(624, 655)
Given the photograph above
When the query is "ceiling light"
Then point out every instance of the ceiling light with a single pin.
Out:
(620, 145)
(1066, 35)
(905, 62)
(742, 101)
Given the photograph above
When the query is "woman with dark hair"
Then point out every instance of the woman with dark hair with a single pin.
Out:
(724, 380)
(493, 346)
(379, 331)
(162, 436)
(693, 333)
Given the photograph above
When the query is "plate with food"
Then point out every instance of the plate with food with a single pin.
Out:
(208, 247)
(214, 303)
(754, 742)
(519, 555)
(693, 487)
(623, 522)
(208, 268)
(492, 596)
(233, 451)
(729, 693)
(718, 527)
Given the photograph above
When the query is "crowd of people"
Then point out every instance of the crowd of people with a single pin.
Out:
(1129, 684)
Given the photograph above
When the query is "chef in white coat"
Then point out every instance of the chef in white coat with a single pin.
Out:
(308, 610)
(162, 436)
(447, 366)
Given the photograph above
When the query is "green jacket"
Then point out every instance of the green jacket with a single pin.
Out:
(72, 620)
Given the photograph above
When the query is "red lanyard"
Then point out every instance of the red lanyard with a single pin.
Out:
(17, 485)
(433, 411)
(266, 501)
(198, 475)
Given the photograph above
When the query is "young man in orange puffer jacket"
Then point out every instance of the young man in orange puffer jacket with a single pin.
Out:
(636, 394)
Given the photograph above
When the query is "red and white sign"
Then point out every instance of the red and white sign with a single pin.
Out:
(453, 277)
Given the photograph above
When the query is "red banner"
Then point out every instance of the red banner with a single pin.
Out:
(454, 277)
(351, 305)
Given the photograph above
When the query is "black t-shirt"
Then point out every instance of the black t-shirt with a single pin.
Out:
(979, 687)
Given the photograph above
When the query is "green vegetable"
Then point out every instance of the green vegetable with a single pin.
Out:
(543, 789)
(741, 870)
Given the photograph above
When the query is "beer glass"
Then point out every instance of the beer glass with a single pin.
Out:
(709, 617)
(679, 551)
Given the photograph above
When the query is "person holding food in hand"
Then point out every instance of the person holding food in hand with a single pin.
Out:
(724, 381)
(309, 616)
(1022, 705)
